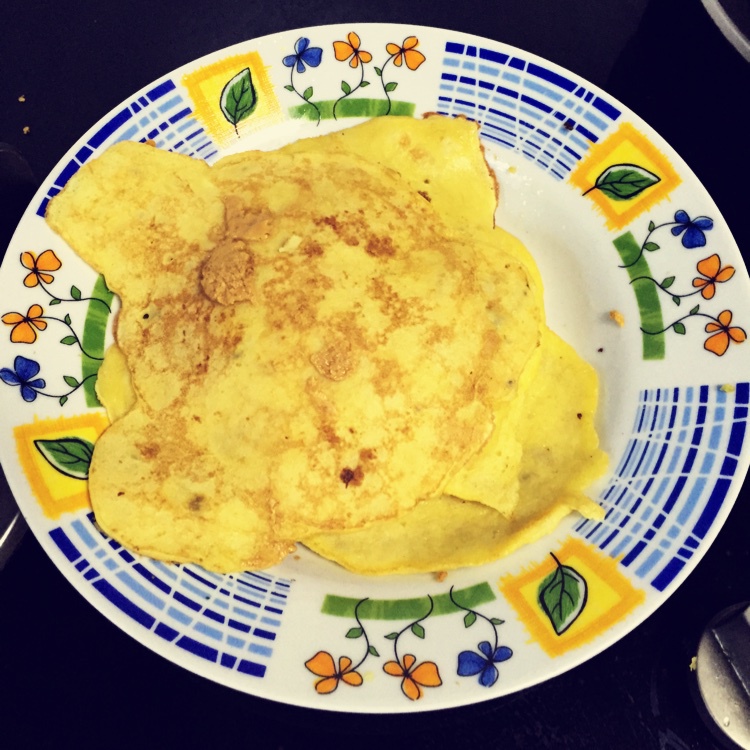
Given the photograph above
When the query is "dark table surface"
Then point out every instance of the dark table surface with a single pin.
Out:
(68, 677)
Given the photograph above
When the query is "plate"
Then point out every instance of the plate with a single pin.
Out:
(617, 223)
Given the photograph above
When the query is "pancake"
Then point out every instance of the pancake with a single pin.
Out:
(559, 458)
(327, 343)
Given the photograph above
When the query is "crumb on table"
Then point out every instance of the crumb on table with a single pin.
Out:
(727, 388)
(618, 317)
(441, 575)
(22, 98)
(26, 129)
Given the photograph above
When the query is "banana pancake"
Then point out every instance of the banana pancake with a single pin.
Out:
(327, 343)
(304, 358)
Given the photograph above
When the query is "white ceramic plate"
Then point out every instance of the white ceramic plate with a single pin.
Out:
(616, 221)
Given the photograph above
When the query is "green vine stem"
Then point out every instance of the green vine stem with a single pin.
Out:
(306, 96)
(75, 296)
(74, 386)
(665, 285)
(348, 93)
(678, 326)
(73, 338)
(647, 245)
(415, 627)
(360, 631)
(387, 87)
(472, 615)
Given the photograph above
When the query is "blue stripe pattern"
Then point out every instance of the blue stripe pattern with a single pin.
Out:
(524, 106)
(161, 115)
(231, 620)
(672, 480)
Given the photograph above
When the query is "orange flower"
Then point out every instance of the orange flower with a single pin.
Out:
(711, 274)
(414, 677)
(323, 666)
(344, 50)
(25, 326)
(39, 267)
(723, 333)
(407, 53)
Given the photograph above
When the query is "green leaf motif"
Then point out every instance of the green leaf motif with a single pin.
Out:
(497, 621)
(562, 596)
(239, 98)
(307, 95)
(622, 182)
(676, 300)
(289, 87)
(679, 328)
(70, 456)
(695, 310)
(667, 282)
(392, 636)
(373, 651)
(391, 86)
(469, 619)
(378, 72)
(55, 301)
(651, 226)
(649, 247)
(364, 83)
(67, 320)
(418, 630)
(71, 381)
(68, 340)
(63, 400)
(346, 88)
(75, 292)
(354, 633)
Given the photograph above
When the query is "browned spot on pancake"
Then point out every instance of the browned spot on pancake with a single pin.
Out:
(149, 450)
(329, 221)
(311, 248)
(298, 305)
(227, 274)
(437, 334)
(389, 376)
(196, 503)
(334, 362)
(348, 226)
(353, 477)
(401, 311)
(425, 195)
(329, 435)
(380, 247)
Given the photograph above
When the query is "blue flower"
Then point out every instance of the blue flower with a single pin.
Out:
(694, 229)
(22, 373)
(304, 54)
(471, 663)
